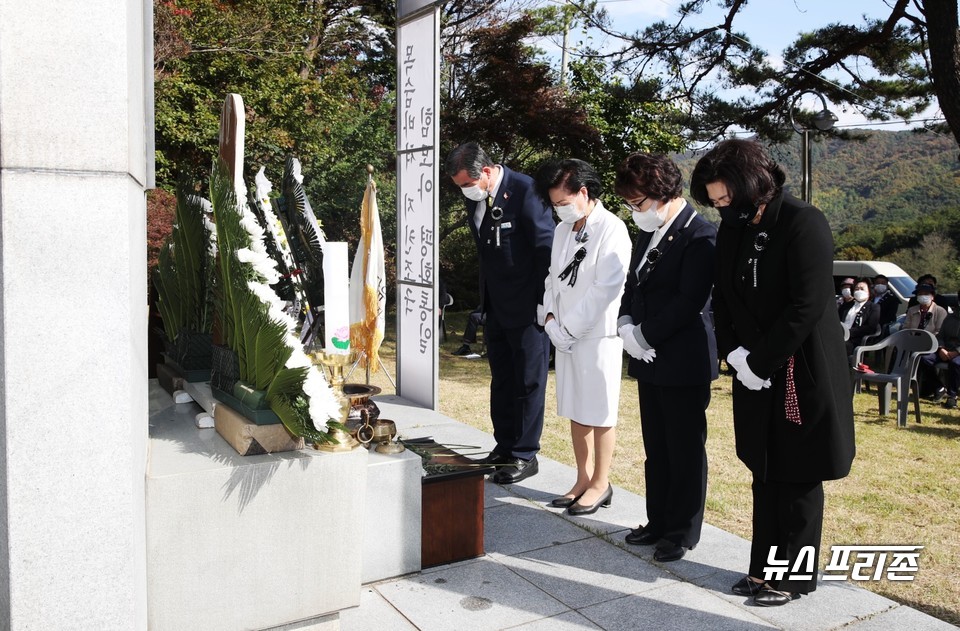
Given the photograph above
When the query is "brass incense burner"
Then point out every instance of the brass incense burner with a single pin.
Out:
(335, 363)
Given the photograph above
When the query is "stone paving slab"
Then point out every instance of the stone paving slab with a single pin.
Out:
(832, 605)
(679, 606)
(587, 572)
(570, 621)
(374, 612)
(479, 596)
(514, 528)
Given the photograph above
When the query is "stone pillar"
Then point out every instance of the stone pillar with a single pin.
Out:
(73, 312)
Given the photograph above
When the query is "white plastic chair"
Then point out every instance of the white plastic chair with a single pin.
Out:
(902, 351)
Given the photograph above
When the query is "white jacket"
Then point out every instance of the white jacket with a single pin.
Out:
(588, 308)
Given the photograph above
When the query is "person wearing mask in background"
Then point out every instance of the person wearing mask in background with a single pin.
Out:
(581, 296)
(948, 352)
(927, 279)
(776, 323)
(887, 301)
(846, 292)
(859, 316)
(667, 330)
(926, 314)
(513, 229)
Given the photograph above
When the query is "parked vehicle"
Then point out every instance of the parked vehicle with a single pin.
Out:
(900, 282)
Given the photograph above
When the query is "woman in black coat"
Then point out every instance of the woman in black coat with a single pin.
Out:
(776, 323)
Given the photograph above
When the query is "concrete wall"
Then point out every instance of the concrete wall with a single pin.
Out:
(73, 372)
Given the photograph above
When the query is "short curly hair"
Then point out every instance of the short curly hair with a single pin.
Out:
(651, 175)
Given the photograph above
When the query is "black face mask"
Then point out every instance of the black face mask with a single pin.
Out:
(737, 216)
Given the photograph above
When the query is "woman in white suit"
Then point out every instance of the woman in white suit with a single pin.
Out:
(588, 266)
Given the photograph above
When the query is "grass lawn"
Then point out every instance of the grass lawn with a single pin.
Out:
(903, 489)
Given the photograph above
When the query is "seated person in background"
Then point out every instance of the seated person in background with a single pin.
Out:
(927, 314)
(846, 292)
(474, 322)
(926, 279)
(949, 352)
(886, 300)
(859, 315)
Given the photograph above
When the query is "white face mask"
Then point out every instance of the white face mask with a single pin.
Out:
(568, 213)
(860, 295)
(925, 299)
(650, 219)
(474, 192)
(879, 288)
(845, 292)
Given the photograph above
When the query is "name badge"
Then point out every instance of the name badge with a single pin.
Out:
(506, 225)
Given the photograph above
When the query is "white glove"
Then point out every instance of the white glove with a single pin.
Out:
(749, 380)
(632, 346)
(562, 340)
(737, 357)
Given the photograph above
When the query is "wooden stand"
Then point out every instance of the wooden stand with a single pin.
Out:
(452, 509)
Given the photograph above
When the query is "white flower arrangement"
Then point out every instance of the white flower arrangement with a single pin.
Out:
(323, 405)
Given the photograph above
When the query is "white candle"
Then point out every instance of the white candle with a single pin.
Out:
(336, 297)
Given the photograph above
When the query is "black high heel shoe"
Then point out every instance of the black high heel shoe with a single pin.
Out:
(564, 501)
(605, 500)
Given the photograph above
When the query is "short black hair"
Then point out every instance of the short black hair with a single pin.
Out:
(930, 279)
(571, 174)
(879, 276)
(751, 176)
(470, 157)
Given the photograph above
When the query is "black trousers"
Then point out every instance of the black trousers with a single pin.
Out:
(674, 424)
(518, 382)
(789, 516)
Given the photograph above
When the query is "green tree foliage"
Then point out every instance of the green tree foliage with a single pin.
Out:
(935, 254)
(887, 68)
(626, 117)
(305, 69)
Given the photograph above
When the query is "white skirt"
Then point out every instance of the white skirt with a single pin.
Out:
(588, 381)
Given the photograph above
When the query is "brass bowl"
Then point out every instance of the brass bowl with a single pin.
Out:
(359, 395)
(383, 431)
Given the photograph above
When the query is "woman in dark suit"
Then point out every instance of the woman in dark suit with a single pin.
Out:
(665, 324)
(777, 325)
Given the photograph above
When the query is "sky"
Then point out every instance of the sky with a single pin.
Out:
(770, 24)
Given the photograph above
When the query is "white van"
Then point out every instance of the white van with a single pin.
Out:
(900, 282)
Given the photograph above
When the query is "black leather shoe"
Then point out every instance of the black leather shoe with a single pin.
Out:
(493, 458)
(563, 501)
(668, 551)
(746, 587)
(604, 500)
(641, 537)
(516, 469)
(769, 597)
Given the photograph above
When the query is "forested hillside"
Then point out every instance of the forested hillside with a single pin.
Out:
(891, 195)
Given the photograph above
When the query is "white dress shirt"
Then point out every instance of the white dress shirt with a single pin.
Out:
(482, 205)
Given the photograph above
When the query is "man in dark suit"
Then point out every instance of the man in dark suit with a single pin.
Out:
(886, 300)
(513, 229)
